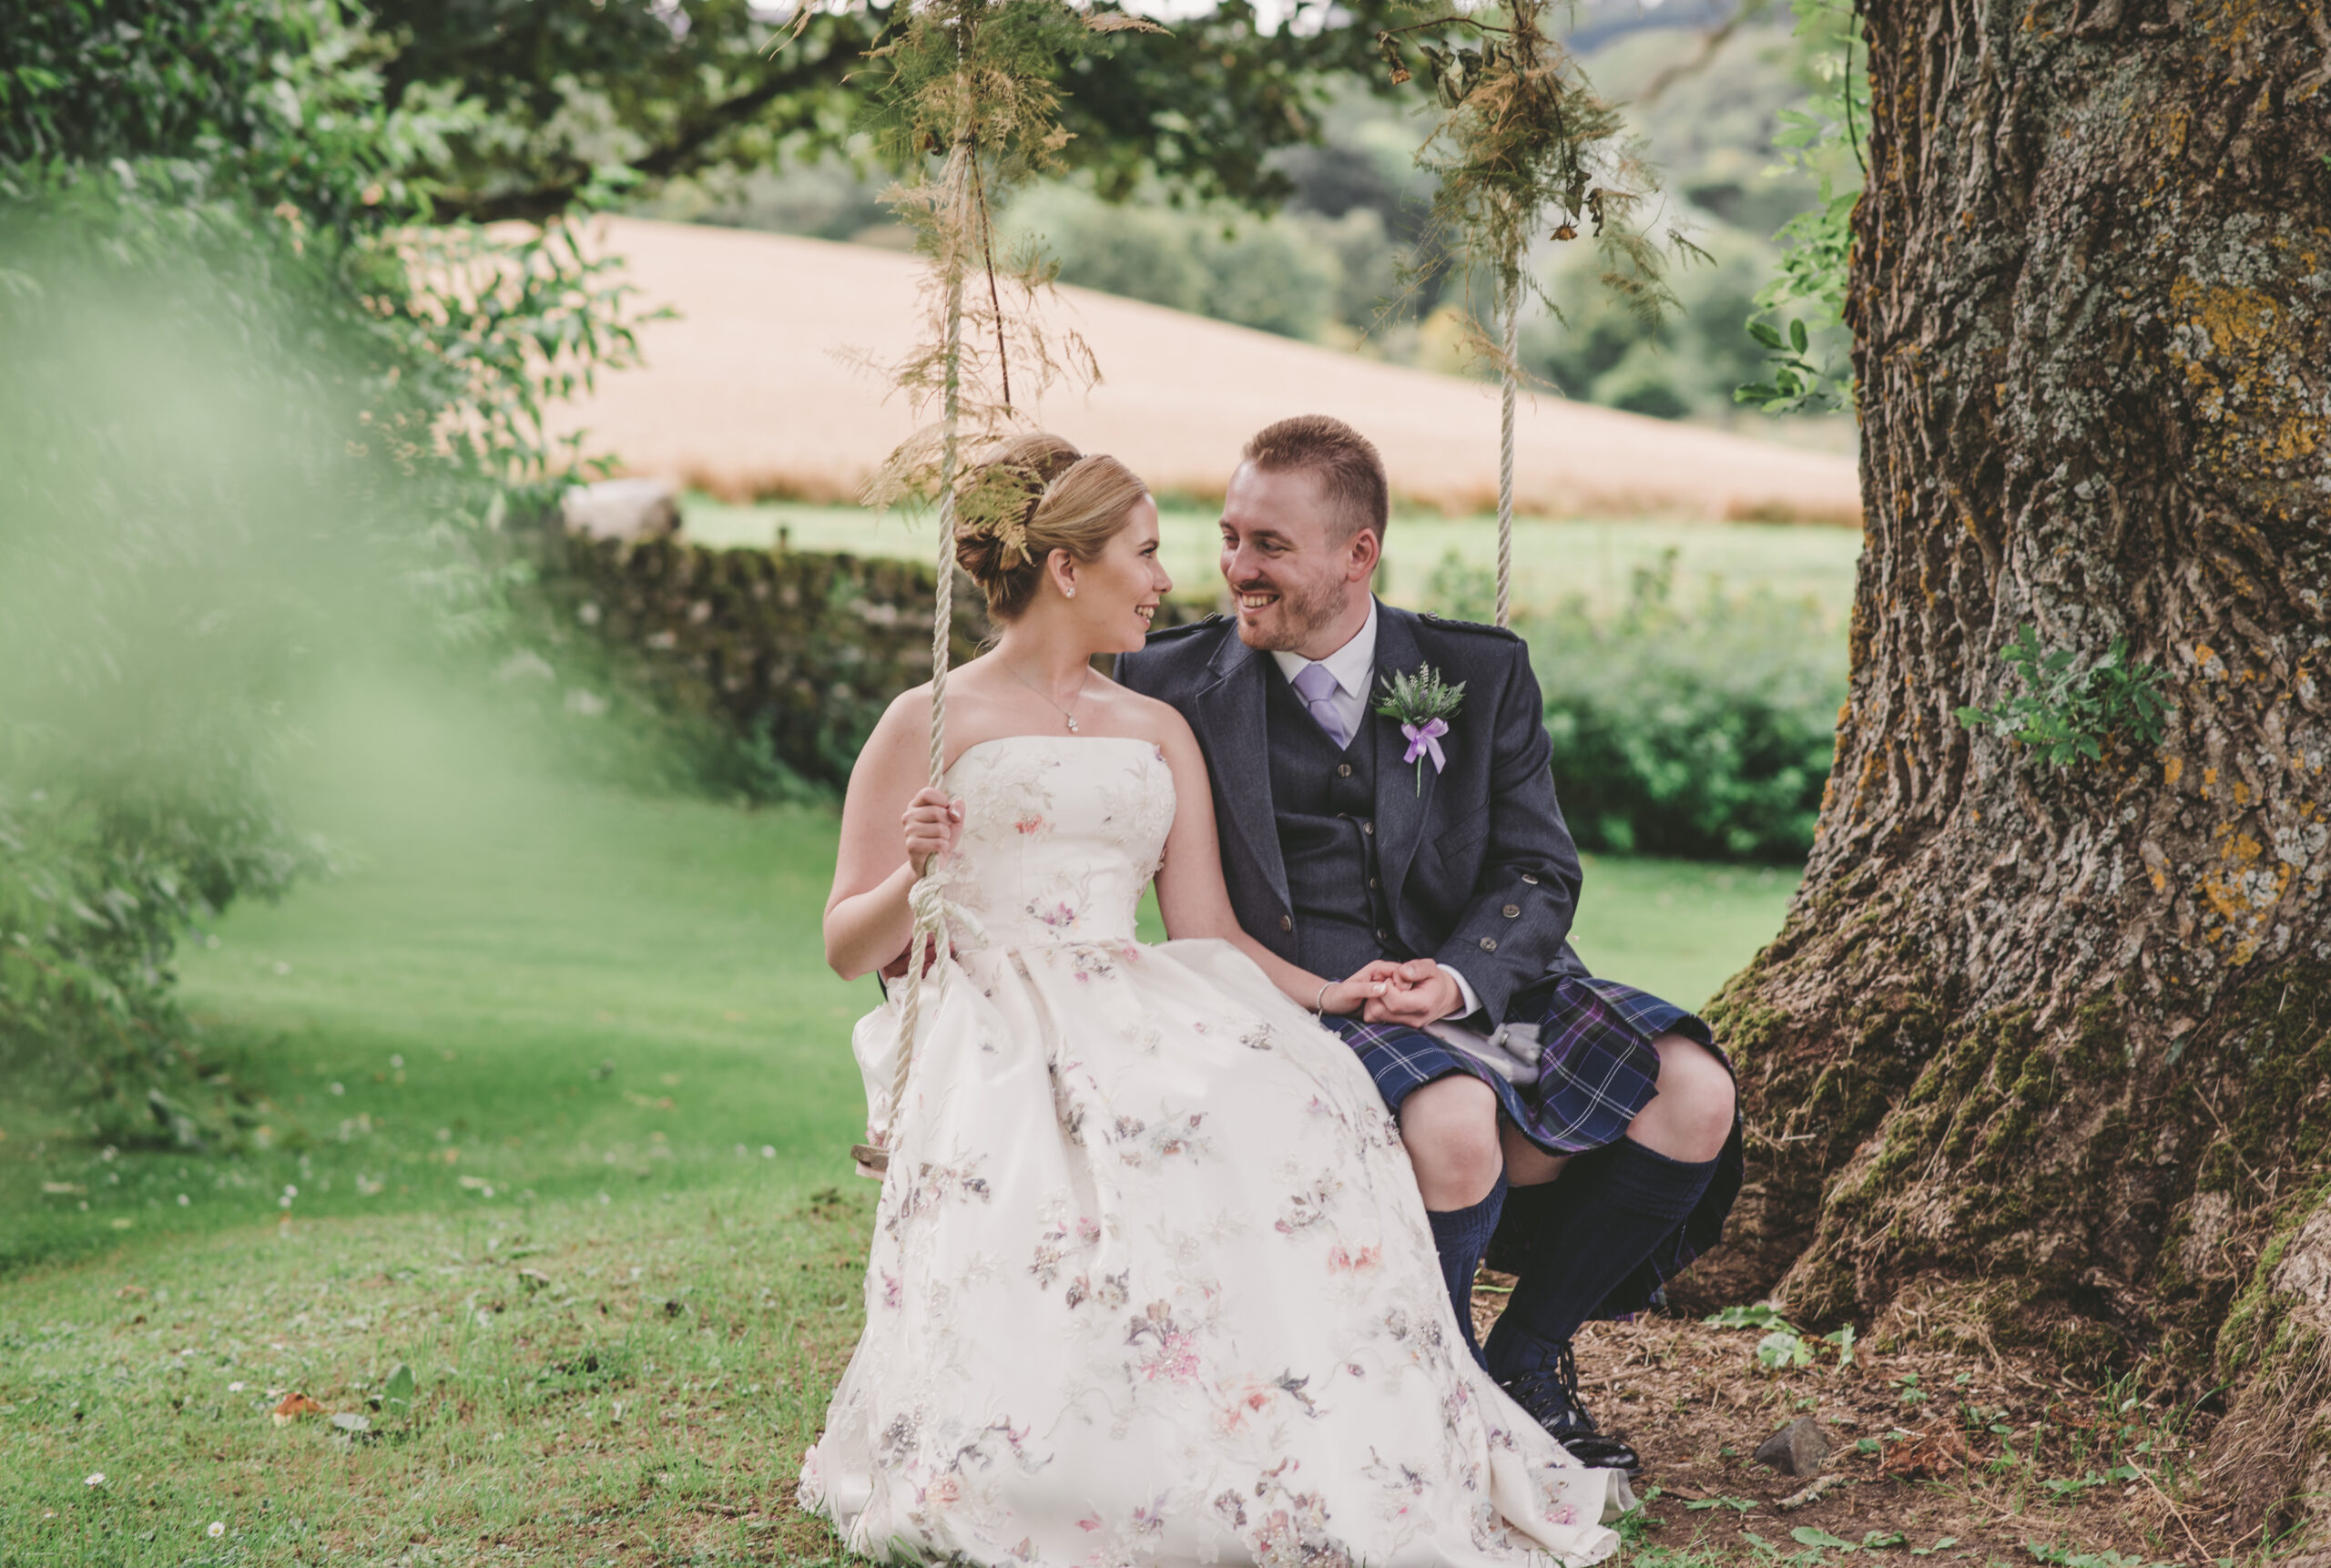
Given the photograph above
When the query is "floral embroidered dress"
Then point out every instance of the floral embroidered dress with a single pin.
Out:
(1150, 1280)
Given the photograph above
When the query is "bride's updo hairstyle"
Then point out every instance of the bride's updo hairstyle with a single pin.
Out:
(1035, 495)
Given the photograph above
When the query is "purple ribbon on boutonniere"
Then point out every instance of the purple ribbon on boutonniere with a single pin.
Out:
(1425, 740)
(1421, 704)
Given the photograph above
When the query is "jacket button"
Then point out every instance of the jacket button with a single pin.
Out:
(1367, 828)
(1512, 912)
(1287, 922)
(1373, 882)
(1529, 878)
(1380, 934)
(1343, 769)
(1489, 944)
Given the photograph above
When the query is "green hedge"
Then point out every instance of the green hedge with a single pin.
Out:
(1704, 732)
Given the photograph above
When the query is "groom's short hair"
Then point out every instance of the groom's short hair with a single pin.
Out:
(1351, 470)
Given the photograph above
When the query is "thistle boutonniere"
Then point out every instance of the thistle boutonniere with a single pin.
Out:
(1424, 704)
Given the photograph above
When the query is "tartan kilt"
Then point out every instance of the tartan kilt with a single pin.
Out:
(1596, 1072)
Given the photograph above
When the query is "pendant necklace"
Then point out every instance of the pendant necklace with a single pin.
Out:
(1067, 714)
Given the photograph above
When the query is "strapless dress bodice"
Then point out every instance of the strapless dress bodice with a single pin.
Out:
(1060, 835)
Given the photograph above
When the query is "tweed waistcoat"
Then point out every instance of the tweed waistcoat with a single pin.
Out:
(1324, 798)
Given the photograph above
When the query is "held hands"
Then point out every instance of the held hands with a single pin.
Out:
(1383, 991)
(934, 825)
(1348, 996)
(1416, 993)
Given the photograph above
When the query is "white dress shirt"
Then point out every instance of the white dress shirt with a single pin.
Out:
(1354, 667)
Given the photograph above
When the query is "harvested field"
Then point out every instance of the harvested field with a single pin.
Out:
(753, 390)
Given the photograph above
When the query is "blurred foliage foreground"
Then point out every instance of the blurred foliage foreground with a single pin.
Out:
(255, 420)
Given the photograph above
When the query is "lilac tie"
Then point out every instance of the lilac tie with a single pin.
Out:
(1316, 684)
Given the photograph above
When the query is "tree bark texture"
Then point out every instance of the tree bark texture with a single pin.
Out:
(2043, 1058)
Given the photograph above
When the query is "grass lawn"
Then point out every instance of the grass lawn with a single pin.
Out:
(1552, 560)
(557, 1097)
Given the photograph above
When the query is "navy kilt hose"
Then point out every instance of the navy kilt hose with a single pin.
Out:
(1596, 1072)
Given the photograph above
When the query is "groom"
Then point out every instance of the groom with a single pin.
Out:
(1586, 1128)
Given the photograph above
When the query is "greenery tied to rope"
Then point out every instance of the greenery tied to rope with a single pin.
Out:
(971, 107)
(1525, 145)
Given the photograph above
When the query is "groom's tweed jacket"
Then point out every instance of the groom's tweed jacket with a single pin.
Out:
(1477, 868)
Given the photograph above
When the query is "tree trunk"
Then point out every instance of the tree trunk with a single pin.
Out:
(2043, 1058)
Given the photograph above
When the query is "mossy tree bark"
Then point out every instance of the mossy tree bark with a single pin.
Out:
(2042, 1056)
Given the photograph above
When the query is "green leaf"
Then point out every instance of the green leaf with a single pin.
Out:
(1797, 337)
(396, 1395)
(1783, 1348)
(1814, 1536)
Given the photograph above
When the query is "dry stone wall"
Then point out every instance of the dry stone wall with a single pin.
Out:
(802, 647)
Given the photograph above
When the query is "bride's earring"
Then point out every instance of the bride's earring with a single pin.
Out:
(1071, 592)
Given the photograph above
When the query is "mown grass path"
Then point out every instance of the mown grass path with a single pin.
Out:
(557, 1094)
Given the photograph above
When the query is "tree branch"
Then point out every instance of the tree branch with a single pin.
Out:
(1711, 40)
(677, 155)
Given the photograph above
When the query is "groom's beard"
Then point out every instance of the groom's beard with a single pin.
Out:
(1297, 616)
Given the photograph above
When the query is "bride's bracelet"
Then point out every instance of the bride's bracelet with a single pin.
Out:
(1320, 1003)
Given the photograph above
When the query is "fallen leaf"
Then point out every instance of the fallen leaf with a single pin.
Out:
(1937, 1452)
(294, 1406)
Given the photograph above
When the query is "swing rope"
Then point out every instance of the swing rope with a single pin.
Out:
(930, 944)
(1511, 307)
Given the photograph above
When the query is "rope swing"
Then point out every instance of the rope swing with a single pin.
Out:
(969, 75)
(1510, 387)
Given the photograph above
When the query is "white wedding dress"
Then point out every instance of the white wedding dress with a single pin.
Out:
(1150, 1282)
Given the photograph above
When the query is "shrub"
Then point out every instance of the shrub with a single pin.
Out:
(1704, 732)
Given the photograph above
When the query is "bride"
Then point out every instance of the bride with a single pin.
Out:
(1150, 1278)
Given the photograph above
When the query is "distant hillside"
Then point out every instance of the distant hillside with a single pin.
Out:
(747, 392)
(1349, 261)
